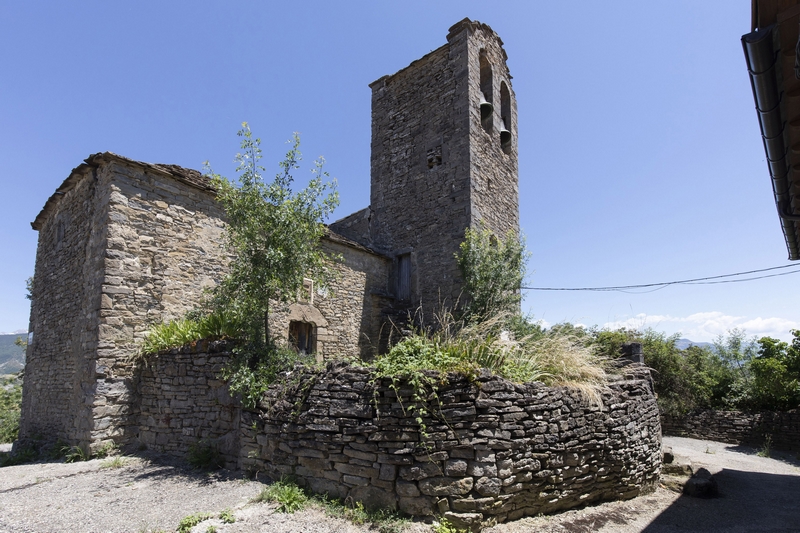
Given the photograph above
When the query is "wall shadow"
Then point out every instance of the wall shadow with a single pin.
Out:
(778, 455)
(747, 501)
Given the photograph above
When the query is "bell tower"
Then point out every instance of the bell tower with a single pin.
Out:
(444, 158)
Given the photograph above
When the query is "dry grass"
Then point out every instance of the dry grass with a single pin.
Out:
(557, 357)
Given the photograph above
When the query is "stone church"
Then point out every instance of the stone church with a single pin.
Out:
(125, 244)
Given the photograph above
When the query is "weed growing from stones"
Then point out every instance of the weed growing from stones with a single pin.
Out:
(385, 521)
(445, 526)
(227, 516)
(765, 449)
(286, 494)
(74, 454)
(188, 522)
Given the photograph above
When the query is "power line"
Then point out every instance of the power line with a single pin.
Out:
(695, 281)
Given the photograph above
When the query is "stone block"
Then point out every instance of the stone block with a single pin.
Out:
(407, 489)
(388, 472)
(355, 480)
(420, 471)
(373, 498)
(445, 486)
(419, 506)
(467, 521)
(455, 468)
(488, 486)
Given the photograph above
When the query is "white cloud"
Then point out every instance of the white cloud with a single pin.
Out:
(706, 326)
(16, 332)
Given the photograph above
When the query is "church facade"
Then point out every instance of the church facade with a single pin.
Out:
(125, 244)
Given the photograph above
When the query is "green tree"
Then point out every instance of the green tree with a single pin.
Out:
(684, 379)
(493, 270)
(273, 235)
(776, 374)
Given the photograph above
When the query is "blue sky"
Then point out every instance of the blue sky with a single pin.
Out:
(640, 154)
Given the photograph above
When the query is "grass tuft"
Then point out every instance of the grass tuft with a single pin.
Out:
(765, 450)
(287, 495)
(114, 462)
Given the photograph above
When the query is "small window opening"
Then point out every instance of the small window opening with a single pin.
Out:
(435, 157)
(60, 232)
(505, 115)
(404, 277)
(487, 96)
(303, 337)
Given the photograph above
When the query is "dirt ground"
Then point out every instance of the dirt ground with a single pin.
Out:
(756, 494)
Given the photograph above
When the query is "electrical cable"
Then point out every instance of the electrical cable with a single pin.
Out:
(694, 281)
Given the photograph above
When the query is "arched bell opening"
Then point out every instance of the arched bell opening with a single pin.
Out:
(506, 136)
(486, 107)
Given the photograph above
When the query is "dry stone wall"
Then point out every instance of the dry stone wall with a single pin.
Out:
(490, 450)
(184, 402)
(737, 427)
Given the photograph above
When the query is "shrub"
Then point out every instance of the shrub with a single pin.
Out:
(10, 407)
(557, 356)
(493, 270)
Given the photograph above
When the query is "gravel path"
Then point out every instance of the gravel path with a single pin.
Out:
(756, 494)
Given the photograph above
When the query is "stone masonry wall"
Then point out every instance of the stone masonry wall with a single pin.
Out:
(164, 248)
(59, 367)
(493, 451)
(435, 170)
(736, 427)
(183, 402)
(347, 312)
(493, 170)
(420, 192)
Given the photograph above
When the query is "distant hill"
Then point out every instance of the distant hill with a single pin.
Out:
(12, 358)
(685, 343)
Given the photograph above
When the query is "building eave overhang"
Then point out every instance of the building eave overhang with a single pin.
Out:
(771, 53)
(190, 177)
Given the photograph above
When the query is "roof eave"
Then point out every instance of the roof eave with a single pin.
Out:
(762, 50)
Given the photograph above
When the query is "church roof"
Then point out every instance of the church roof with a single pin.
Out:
(188, 176)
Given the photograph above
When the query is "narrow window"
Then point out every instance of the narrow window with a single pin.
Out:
(487, 96)
(306, 294)
(303, 336)
(505, 115)
(60, 231)
(404, 277)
